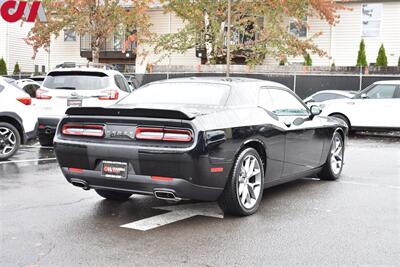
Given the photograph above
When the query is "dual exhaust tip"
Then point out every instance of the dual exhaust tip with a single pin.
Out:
(159, 193)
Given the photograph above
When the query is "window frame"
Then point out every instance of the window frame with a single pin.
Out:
(294, 21)
(67, 36)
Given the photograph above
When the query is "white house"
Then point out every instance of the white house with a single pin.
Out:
(377, 22)
(13, 48)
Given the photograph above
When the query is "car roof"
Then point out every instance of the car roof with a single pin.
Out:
(397, 82)
(86, 69)
(223, 80)
(342, 92)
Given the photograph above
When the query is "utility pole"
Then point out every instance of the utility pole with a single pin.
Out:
(228, 41)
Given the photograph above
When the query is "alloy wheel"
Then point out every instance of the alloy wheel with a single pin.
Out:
(337, 155)
(8, 141)
(249, 182)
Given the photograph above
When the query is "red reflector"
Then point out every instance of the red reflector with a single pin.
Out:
(75, 170)
(161, 178)
(217, 169)
(83, 130)
(42, 126)
(25, 100)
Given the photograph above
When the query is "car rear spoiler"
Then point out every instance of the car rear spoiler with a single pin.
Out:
(134, 112)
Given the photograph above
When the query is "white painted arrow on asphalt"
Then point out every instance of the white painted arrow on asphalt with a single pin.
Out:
(177, 213)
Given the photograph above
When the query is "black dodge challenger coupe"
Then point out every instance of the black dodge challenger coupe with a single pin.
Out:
(199, 138)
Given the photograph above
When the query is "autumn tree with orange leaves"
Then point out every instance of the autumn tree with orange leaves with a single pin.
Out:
(259, 28)
(97, 18)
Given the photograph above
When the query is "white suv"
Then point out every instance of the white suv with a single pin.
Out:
(88, 86)
(18, 122)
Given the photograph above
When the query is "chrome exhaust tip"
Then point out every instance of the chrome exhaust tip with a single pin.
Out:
(80, 183)
(166, 195)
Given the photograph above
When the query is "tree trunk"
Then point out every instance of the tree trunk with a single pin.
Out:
(96, 50)
(95, 54)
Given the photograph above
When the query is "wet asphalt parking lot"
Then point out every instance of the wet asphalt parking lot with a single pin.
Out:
(45, 221)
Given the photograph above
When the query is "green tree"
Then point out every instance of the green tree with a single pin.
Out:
(258, 27)
(3, 67)
(362, 57)
(307, 60)
(398, 63)
(381, 60)
(97, 19)
(17, 70)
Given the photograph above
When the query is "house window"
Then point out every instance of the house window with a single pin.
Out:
(298, 28)
(69, 35)
(371, 20)
(43, 69)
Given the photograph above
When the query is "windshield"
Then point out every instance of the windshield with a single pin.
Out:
(76, 80)
(180, 93)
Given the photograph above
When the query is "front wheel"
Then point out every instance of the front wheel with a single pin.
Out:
(243, 192)
(334, 163)
(113, 195)
(10, 140)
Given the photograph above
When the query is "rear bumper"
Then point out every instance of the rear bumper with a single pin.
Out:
(48, 126)
(32, 134)
(145, 185)
(191, 173)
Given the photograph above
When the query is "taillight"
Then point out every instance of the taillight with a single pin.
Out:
(25, 100)
(83, 130)
(41, 94)
(109, 95)
(163, 134)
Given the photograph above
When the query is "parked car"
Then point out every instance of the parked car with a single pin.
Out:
(28, 86)
(77, 86)
(325, 95)
(202, 139)
(38, 79)
(375, 107)
(18, 123)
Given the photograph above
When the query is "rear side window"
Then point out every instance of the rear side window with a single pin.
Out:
(326, 96)
(31, 89)
(77, 80)
(121, 83)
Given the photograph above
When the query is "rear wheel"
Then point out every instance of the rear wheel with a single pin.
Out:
(113, 195)
(10, 140)
(334, 163)
(46, 140)
(243, 192)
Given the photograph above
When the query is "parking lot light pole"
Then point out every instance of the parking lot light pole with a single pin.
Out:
(228, 41)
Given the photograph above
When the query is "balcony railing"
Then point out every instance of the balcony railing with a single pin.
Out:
(110, 48)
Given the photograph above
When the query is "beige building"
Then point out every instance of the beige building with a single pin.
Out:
(377, 22)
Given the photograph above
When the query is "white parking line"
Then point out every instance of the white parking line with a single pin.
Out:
(26, 160)
(177, 213)
(34, 146)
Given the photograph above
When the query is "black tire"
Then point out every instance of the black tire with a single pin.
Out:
(113, 195)
(343, 118)
(3, 141)
(46, 140)
(327, 173)
(230, 200)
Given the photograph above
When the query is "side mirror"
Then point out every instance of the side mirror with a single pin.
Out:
(315, 110)
(364, 96)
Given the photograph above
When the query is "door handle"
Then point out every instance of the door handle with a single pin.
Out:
(288, 123)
